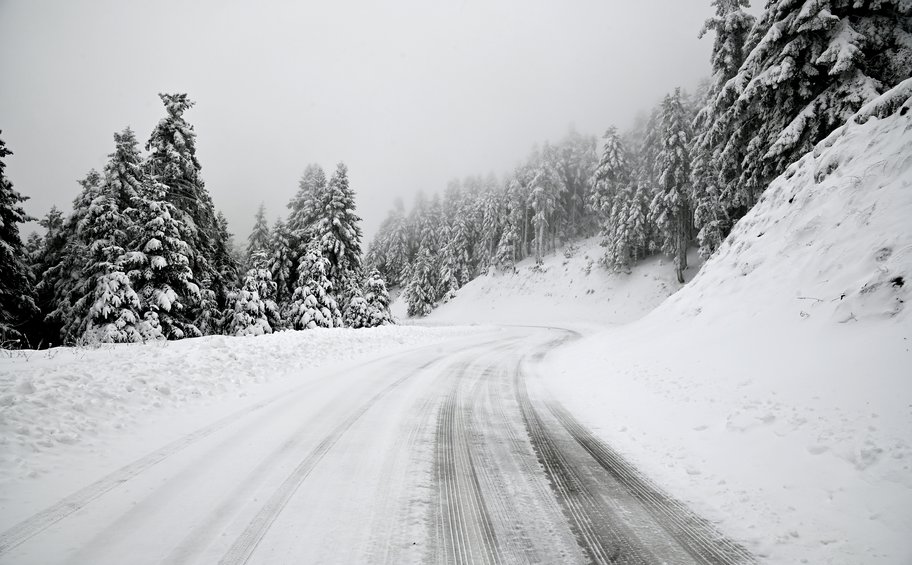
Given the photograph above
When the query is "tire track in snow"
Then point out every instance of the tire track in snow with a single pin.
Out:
(517, 480)
(601, 529)
(244, 546)
(597, 532)
(696, 534)
(465, 533)
(37, 523)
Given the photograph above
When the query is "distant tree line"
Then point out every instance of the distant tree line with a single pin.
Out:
(679, 178)
(144, 255)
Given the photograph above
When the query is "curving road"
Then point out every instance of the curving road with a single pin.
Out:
(447, 454)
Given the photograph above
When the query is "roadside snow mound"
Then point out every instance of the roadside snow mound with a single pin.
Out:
(774, 392)
(62, 396)
(569, 287)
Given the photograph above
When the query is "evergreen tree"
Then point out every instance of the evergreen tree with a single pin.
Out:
(339, 231)
(544, 200)
(226, 272)
(629, 237)
(46, 269)
(114, 313)
(73, 277)
(313, 304)
(123, 172)
(173, 163)
(505, 257)
(573, 162)
(809, 67)
(612, 174)
(305, 207)
(253, 312)
(280, 262)
(420, 294)
(159, 264)
(377, 301)
(731, 25)
(17, 300)
(356, 314)
(258, 241)
(670, 208)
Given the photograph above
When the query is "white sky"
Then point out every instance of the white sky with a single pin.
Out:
(410, 94)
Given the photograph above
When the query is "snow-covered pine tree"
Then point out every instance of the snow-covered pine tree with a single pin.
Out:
(123, 172)
(731, 24)
(356, 314)
(45, 269)
(544, 199)
(73, 277)
(573, 162)
(505, 256)
(493, 212)
(612, 173)
(377, 254)
(103, 305)
(809, 66)
(17, 299)
(114, 313)
(377, 299)
(173, 162)
(313, 303)
(670, 208)
(629, 238)
(397, 259)
(280, 262)
(612, 198)
(420, 293)
(305, 206)
(339, 233)
(252, 311)
(258, 241)
(159, 263)
(226, 272)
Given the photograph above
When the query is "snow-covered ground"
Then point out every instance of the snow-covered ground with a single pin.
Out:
(66, 403)
(570, 288)
(774, 392)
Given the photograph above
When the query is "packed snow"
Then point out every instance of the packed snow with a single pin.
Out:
(773, 392)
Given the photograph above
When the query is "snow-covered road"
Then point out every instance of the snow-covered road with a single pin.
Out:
(451, 453)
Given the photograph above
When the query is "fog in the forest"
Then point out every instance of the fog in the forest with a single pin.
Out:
(408, 94)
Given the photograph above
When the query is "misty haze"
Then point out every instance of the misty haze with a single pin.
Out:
(456, 282)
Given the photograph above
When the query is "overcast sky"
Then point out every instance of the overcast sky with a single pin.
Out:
(408, 94)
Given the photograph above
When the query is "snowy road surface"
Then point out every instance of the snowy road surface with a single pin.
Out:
(449, 453)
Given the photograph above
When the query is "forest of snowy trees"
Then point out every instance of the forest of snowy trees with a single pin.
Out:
(680, 177)
(144, 255)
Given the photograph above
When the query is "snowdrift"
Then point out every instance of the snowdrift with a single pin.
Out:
(56, 401)
(774, 392)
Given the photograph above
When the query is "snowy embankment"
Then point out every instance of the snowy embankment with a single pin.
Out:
(569, 288)
(69, 398)
(774, 392)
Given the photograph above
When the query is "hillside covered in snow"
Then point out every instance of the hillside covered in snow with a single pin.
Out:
(569, 287)
(781, 403)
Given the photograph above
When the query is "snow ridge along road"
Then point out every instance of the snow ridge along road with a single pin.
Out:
(451, 453)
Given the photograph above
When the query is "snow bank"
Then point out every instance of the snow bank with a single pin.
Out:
(774, 392)
(570, 287)
(60, 396)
